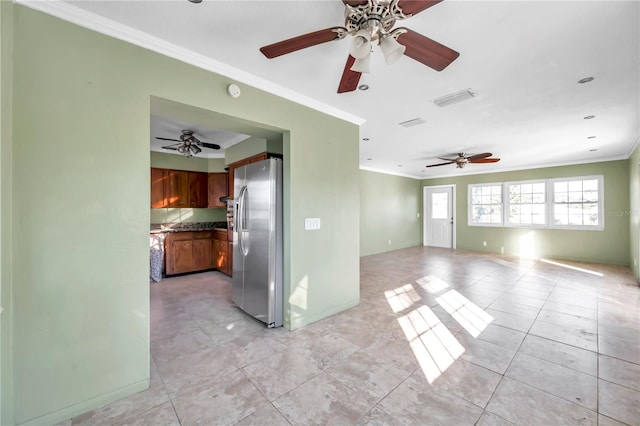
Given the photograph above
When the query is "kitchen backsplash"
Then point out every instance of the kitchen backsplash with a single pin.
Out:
(188, 215)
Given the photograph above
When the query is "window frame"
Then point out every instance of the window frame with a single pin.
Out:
(549, 204)
(507, 204)
(470, 204)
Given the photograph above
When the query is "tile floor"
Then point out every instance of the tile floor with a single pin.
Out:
(440, 337)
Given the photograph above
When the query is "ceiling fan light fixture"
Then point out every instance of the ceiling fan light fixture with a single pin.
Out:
(361, 44)
(362, 64)
(391, 49)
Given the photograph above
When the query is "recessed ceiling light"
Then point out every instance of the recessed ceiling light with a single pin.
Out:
(593, 150)
(591, 137)
(365, 139)
(585, 80)
(363, 87)
(369, 159)
(399, 165)
(589, 117)
(412, 122)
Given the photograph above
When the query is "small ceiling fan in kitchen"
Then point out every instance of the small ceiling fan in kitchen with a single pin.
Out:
(369, 21)
(461, 160)
(188, 144)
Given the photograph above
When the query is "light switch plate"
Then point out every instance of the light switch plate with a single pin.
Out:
(311, 223)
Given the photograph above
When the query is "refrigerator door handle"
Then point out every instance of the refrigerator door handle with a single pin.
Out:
(242, 220)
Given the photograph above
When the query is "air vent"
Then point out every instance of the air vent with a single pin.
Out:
(454, 98)
(411, 123)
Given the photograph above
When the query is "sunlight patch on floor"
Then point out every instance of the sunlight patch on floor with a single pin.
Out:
(432, 343)
(402, 297)
(575, 268)
(467, 313)
(432, 284)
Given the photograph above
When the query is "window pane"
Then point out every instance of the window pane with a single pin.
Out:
(590, 185)
(440, 205)
(575, 185)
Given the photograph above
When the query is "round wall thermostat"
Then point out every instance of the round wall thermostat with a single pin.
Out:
(234, 91)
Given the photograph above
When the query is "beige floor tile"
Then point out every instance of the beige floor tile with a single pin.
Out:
(562, 354)
(281, 372)
(485, 354)
(502, 336)
(620, 372)
(415, 402)
(325, 351)
(620, 348)
(378, 417)
(490, 419)
(322, 400)
(568, 320)
(515, 308)
(267, 416)
(525, 405)
(512, 321)
(579, 338)
(225, 402)
(619, 403)
(575, 387)
(160, 415)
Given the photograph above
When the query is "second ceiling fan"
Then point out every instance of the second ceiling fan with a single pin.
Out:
(370, 21)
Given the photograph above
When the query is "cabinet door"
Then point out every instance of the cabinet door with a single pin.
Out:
(220, 255)
(202, 254)
(229, 258)
(177, 188)
(158, 177)
(217, 187)
(198, 190)
(182, 257)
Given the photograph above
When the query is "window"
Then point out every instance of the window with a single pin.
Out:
(526, 203)
(577, 203)
(485, 205)
(567, 203)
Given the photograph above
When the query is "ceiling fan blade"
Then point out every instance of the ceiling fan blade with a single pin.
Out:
(209, 145)
(411, 7)
(427, 51)
(170, 147)
(350, 79)
(301, 42)
(167, 139)
(485, 160)
(356, 2)
(441, 164)
(479, 156)
(448, 159)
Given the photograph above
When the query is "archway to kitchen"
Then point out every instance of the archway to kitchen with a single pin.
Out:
(190, 299)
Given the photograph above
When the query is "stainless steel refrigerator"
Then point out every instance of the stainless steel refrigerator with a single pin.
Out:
(257, 240)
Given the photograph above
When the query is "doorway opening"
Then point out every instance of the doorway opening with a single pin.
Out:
(439, 215)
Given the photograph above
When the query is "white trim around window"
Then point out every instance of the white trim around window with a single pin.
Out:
(560, 203)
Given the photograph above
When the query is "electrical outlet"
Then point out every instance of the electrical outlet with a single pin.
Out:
(311, 223)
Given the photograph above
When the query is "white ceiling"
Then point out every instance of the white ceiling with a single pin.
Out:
(522, 58)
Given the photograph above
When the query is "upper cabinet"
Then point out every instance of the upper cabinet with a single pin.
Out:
(217, 188)
(184, 189)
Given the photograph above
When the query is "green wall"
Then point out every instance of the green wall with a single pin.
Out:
(634, 211)
(79, 256)
(608, 246)
(197, 164)
(389, 208)
(6, 190)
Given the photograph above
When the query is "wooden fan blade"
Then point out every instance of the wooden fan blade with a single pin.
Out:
(167, 139)
(485, 160)
(479, 156)
(411, 7)
(170, 147)
(356, 2)
(350, 79)
(209, 145)
(300, 42)
(427, 51)
(441, 164)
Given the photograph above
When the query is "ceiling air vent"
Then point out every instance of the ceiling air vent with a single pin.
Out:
(454, 98)
(413, 122)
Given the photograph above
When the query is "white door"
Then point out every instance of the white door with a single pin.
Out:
(439, 216)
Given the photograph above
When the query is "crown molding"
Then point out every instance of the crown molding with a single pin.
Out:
(102, 25)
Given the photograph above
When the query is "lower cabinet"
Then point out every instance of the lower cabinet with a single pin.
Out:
(188, 252)
(221, 252)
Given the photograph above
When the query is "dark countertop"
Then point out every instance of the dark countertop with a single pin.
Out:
(162, 228)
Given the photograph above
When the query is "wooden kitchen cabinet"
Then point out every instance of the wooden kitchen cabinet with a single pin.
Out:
(177, 189)
(188, 252)
(158, 183)
(221, 252)
(198, 192)
(217, 187)
(244, 162)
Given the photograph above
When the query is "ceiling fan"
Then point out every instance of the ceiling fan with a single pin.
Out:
(188, 144)
(462, 160)
(369, 21)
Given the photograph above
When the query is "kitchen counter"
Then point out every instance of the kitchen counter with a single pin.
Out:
(163, 228)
